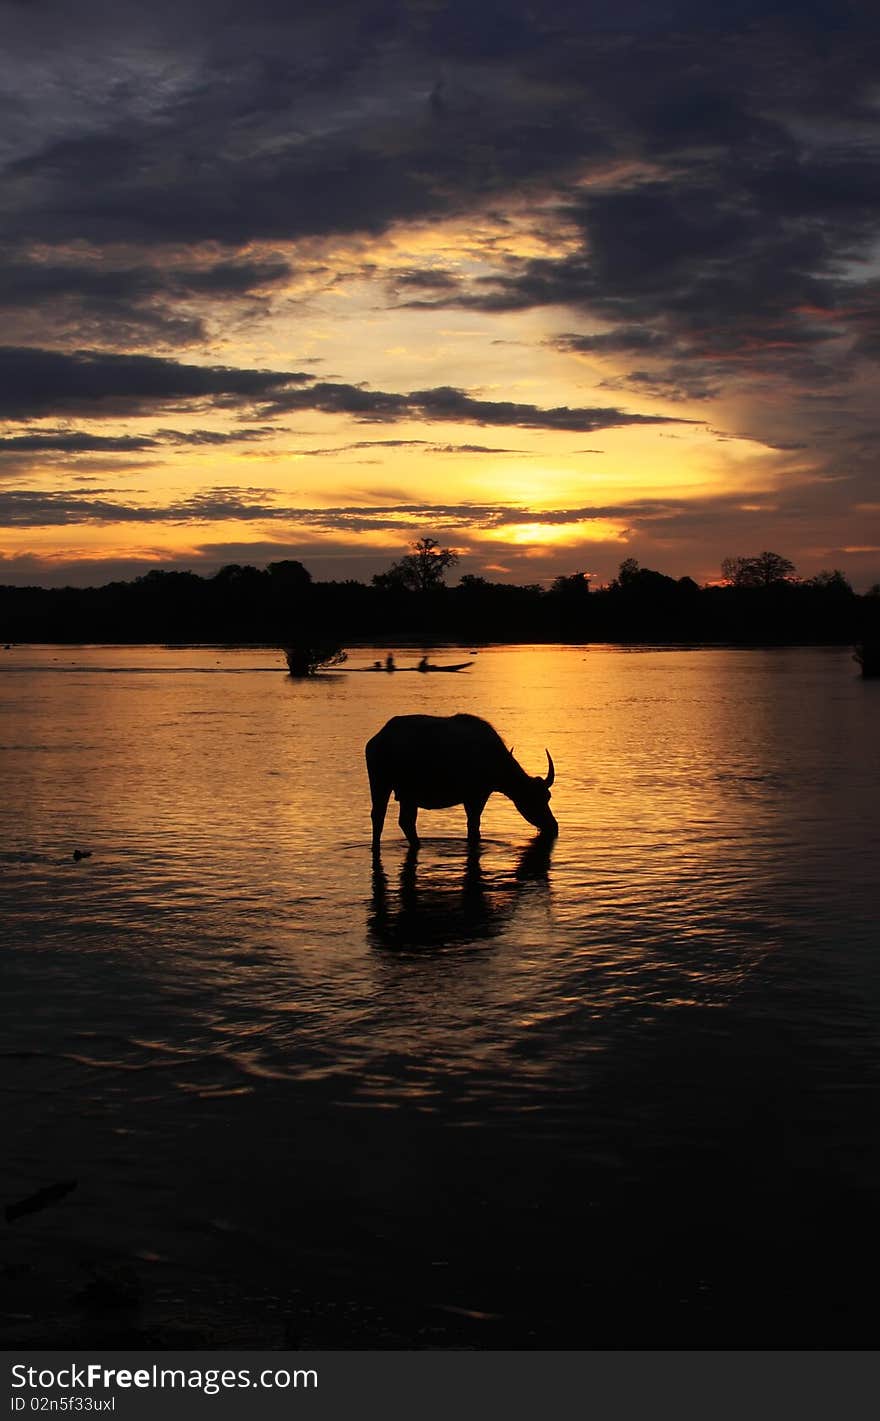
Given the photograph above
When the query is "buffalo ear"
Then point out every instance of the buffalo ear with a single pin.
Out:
(510, 751)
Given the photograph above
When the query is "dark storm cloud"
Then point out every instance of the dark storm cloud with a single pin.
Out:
(707, 257)
(186, 176)
(449, 403)
(424, 280)
(700, 266)
(33, 508)
(40, 382)
(66, 441)
(625, 338)
(226, 278)
(169, 304)
(542, 281)
(681, 381)
(445, 403)
(733, 243)
(278, 124)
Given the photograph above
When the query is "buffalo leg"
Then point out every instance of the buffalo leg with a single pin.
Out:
(474, 810)
(407, 821)
(380, 796)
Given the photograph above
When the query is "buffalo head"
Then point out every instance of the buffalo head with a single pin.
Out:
(532, 799)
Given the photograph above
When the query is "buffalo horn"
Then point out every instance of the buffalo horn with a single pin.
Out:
(551, 773)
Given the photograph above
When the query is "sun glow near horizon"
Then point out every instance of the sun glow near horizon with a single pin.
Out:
(250, 501)
(200, 484)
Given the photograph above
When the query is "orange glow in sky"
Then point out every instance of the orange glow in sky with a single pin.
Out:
(545, 302)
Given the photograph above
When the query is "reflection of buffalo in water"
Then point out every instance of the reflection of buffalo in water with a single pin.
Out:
(439, 907)
(433, 761)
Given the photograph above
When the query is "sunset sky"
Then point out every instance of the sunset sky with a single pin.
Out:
(557, 283)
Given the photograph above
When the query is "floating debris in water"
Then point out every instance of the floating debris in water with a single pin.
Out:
(81, 854)
(475, 1313)
(40, 1200)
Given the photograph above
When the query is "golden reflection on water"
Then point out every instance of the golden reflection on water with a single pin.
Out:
(230, 897)
(228, 1024)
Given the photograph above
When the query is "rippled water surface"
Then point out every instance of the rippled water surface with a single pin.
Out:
(473, 1084)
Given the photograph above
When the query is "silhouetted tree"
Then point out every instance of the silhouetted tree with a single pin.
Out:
(640, 604)
(238, 597)
(288, 577)
(575, 584)
(231, 574)
(627, 571)
(765, 570)
(308, 655)
(289, 600)
(422, 570)
(568, 602)
(833, 582)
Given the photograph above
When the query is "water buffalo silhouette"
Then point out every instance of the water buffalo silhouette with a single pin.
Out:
(433, 761)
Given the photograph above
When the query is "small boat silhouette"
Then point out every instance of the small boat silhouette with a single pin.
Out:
(392, 670)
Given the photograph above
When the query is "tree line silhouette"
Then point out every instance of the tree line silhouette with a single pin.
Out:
(760, 601)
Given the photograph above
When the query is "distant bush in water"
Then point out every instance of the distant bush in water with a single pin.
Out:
(305, 658)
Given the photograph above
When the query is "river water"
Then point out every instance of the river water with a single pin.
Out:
(621, 1092)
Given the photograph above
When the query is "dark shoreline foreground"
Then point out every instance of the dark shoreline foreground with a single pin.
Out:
(731, 1233)
(633, 1313)
(788, 1285)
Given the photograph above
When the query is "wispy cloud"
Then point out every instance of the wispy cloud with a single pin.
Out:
(37, 507)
